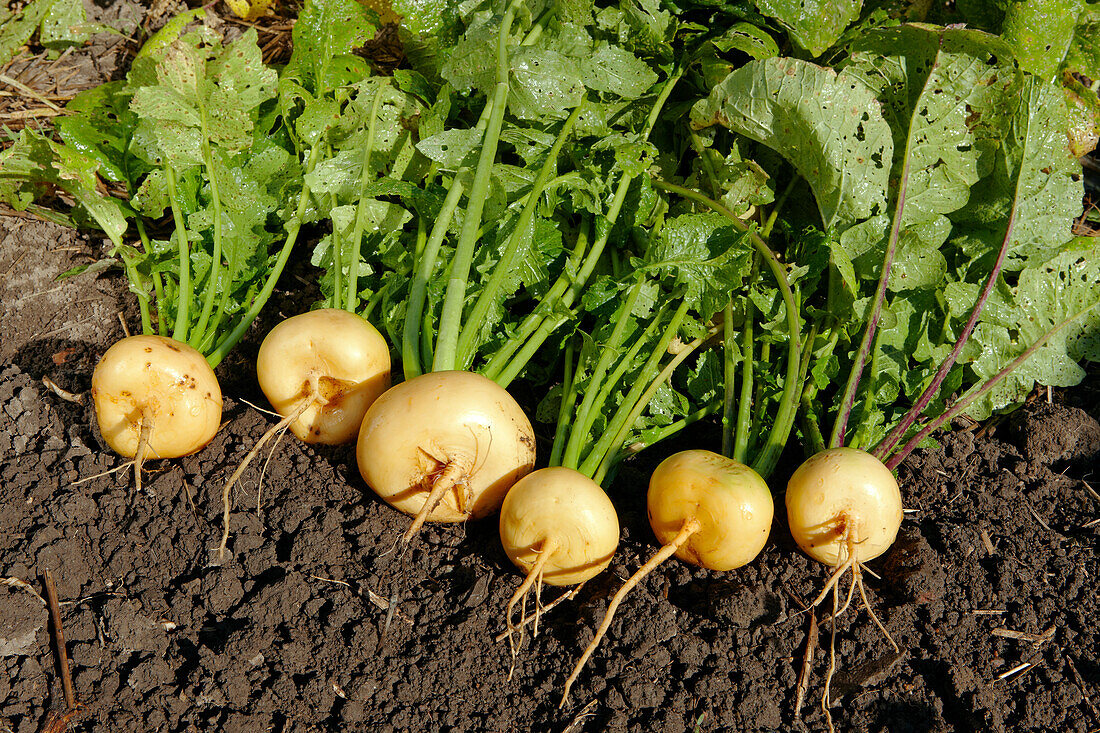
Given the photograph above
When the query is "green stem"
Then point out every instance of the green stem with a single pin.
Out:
(293, 228)
(336, 299)
(656, 436)
(183, 305)
(729, 378)
(779, 272)
(744, 405)
(536, 328)
(158, 283)
(768, 457)
(568, 399)
(663, 376)
(585, 417)
(352, 301)
(708, 167)
(502, 368)
(413, 330)
(468, 335)
(766, 231)
(454, 300)
(624, 417)
(216, 259)
(809, 417)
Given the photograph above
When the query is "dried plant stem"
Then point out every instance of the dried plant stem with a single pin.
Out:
(59, 641)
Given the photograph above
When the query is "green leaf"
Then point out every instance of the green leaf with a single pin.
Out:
(705, 255)
(615, 70)
(748, 39)
(544, 84)
(452, 148)
(325, 31)
(1083, 56)
(16, 28)
(814, 25)
(35, 163)
(1046, 295)
(827, 126)
(1040, 33)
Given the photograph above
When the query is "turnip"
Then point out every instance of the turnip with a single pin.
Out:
(560, 528)
(320, 370)
(844, 509)
(445, 447)
(707, 510)
(155, 397)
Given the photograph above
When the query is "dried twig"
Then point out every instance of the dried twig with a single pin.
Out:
(1036, 639)
(62, 393)
(59, 640)
(1081, 686)
(807, 665)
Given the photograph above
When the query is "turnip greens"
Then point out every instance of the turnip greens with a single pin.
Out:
(810, 219)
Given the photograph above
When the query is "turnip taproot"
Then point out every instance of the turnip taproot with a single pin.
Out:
(445, 447)
(155, 397)
(560, 528)
(707, 510)
(320, 370)
(844, 509)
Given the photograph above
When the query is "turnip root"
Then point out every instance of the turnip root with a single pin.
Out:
(155, 397)
(320, 370)
(706, 509)
(844, 509)
(445, 447)
(559, 527)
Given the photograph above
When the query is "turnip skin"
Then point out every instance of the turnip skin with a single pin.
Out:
(731, 501)
(451, 427)
(843, 504)
(329, 354)
(567, 508)
(164, 382)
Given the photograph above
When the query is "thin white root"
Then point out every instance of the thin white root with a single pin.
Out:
(534, 578)
(833, 585)
(279, 426)
(832, 660)
(874, 616)
(567, 596)
(689, 527)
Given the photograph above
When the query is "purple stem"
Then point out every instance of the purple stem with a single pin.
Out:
(989, 384)
(883, 449)
(836, 440)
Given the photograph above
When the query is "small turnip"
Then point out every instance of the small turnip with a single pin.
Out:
(844, 509)
(560, 528)
(155, 397)
(320, 370)
(325, 367)
(708, 510)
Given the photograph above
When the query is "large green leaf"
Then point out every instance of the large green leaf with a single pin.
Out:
(828, 127)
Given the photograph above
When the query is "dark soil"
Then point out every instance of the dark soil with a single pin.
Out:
(995, 568)
(990, 591)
